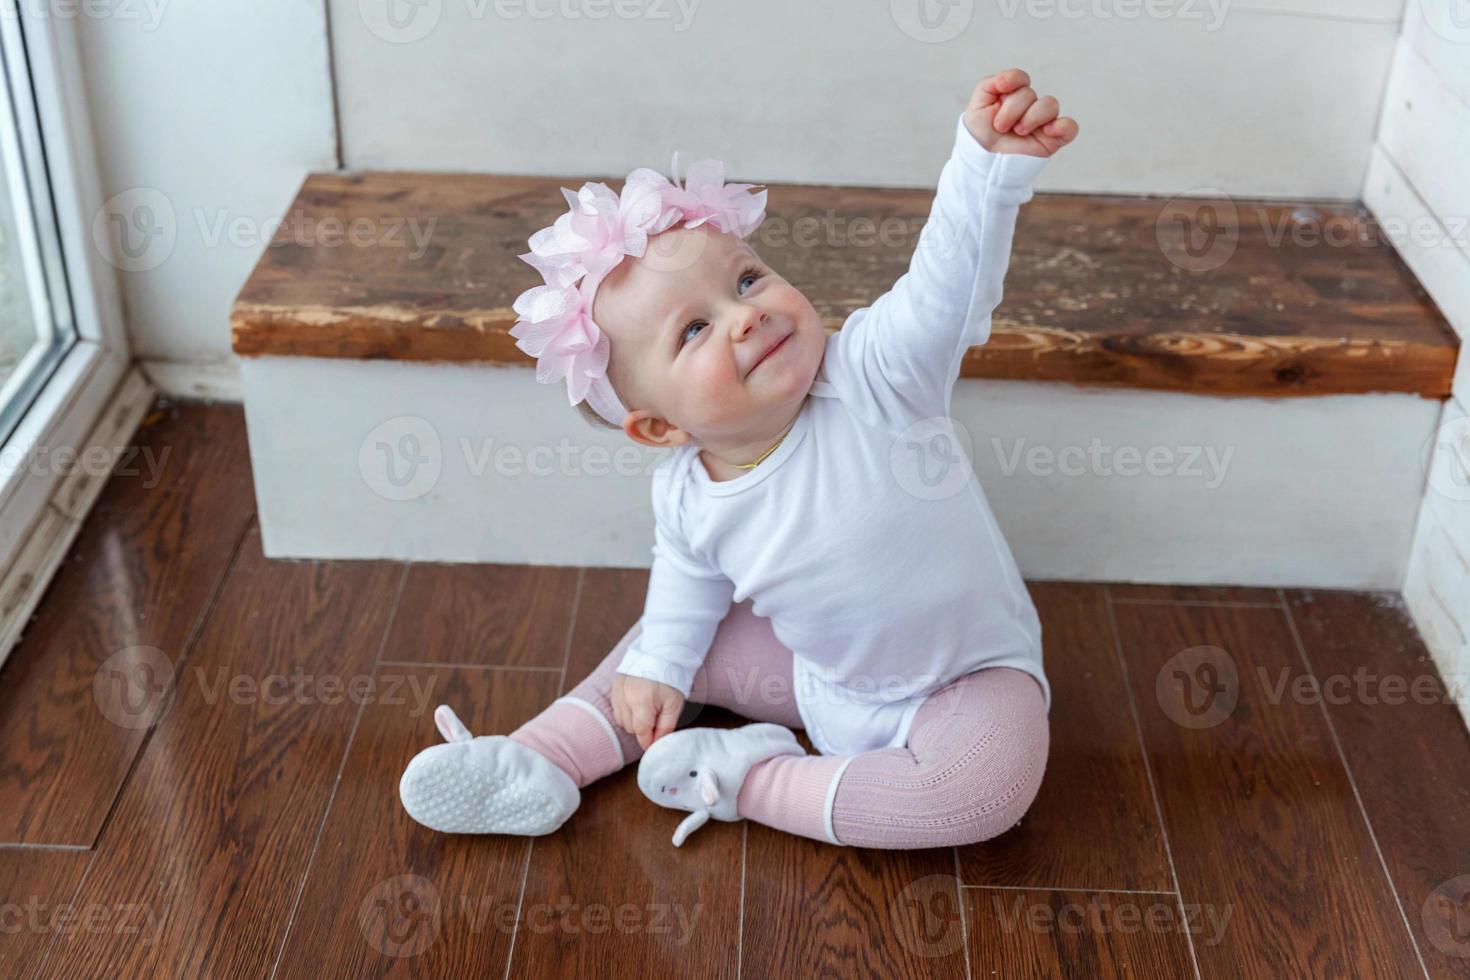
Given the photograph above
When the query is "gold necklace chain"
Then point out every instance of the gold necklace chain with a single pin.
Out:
(749, 466)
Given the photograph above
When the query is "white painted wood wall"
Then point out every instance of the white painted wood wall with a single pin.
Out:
(1419, 179)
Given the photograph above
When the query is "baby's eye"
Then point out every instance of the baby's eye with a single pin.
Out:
(750, 274)
(684, 336)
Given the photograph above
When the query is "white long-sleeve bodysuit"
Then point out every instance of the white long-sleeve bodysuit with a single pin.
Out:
(865, 537)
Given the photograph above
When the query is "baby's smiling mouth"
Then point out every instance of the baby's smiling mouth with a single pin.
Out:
(769, 351)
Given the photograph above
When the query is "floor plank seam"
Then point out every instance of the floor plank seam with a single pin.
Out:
(321, 829)
(184, 654)
(1148, 770)
(566, 654)
(1301, 649)
(740, 927)
(515, 931)
(964, 915)
(24, 846)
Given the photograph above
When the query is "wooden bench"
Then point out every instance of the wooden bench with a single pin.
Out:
(382, 386)
(1101, 290)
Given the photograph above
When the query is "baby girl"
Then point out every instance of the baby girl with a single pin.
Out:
(823, 556)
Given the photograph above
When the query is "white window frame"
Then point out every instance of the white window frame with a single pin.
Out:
(69, 405)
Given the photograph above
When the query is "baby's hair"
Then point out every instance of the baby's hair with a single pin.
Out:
(596, 421)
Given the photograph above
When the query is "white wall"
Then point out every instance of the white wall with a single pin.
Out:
(218, 110)
(1419, 181)
(207, 116)
(1279, 100)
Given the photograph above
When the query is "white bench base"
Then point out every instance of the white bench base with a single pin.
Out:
(1087, 484)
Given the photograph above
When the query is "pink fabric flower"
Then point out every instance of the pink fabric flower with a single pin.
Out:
(706, 197)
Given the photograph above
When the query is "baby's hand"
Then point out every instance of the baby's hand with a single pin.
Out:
(645, 708)
(1005, 116)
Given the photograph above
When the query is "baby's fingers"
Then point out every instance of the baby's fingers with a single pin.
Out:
(643, 716)
(992, 87)
(1057, 133)
(1042, 111)
(1013, 108)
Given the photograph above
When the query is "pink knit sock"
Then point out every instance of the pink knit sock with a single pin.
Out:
(576, 738)
(791, 793)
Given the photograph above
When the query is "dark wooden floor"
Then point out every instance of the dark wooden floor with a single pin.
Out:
(199, 753)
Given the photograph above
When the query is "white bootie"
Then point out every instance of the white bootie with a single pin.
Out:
(702, 769)
(486, 785)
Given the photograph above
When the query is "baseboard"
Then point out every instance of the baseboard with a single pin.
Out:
(214, 380)
(51, 535)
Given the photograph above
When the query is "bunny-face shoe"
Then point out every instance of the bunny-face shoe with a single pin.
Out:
(486, 785)
(701, 769)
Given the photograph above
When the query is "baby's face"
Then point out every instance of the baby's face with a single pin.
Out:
(692, 324)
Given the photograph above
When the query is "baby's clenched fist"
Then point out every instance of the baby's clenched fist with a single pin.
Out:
(1005, 116)
(644, 708)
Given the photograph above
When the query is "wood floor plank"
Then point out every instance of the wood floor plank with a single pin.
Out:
(1094, 824)
(218, 818)
(36, 890)
(1409, 753)
(1256, 802)
(1033, 933)
(497, 615)
(813, 909)
(122, 608)
(608, 894)
(387, 897)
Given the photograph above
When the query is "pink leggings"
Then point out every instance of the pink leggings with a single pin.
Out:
(973, 763)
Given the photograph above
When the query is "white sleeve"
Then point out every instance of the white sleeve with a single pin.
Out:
(904, 350)
(687, 600)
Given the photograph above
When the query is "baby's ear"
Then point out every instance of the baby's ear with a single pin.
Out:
(709, 789)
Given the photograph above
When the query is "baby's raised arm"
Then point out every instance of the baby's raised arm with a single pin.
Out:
(906, 347)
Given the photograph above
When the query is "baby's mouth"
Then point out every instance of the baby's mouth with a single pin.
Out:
(769, 351)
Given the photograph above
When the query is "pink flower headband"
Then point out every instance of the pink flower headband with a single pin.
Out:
(554, 321)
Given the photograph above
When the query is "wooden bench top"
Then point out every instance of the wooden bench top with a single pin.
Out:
(1208, 297)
